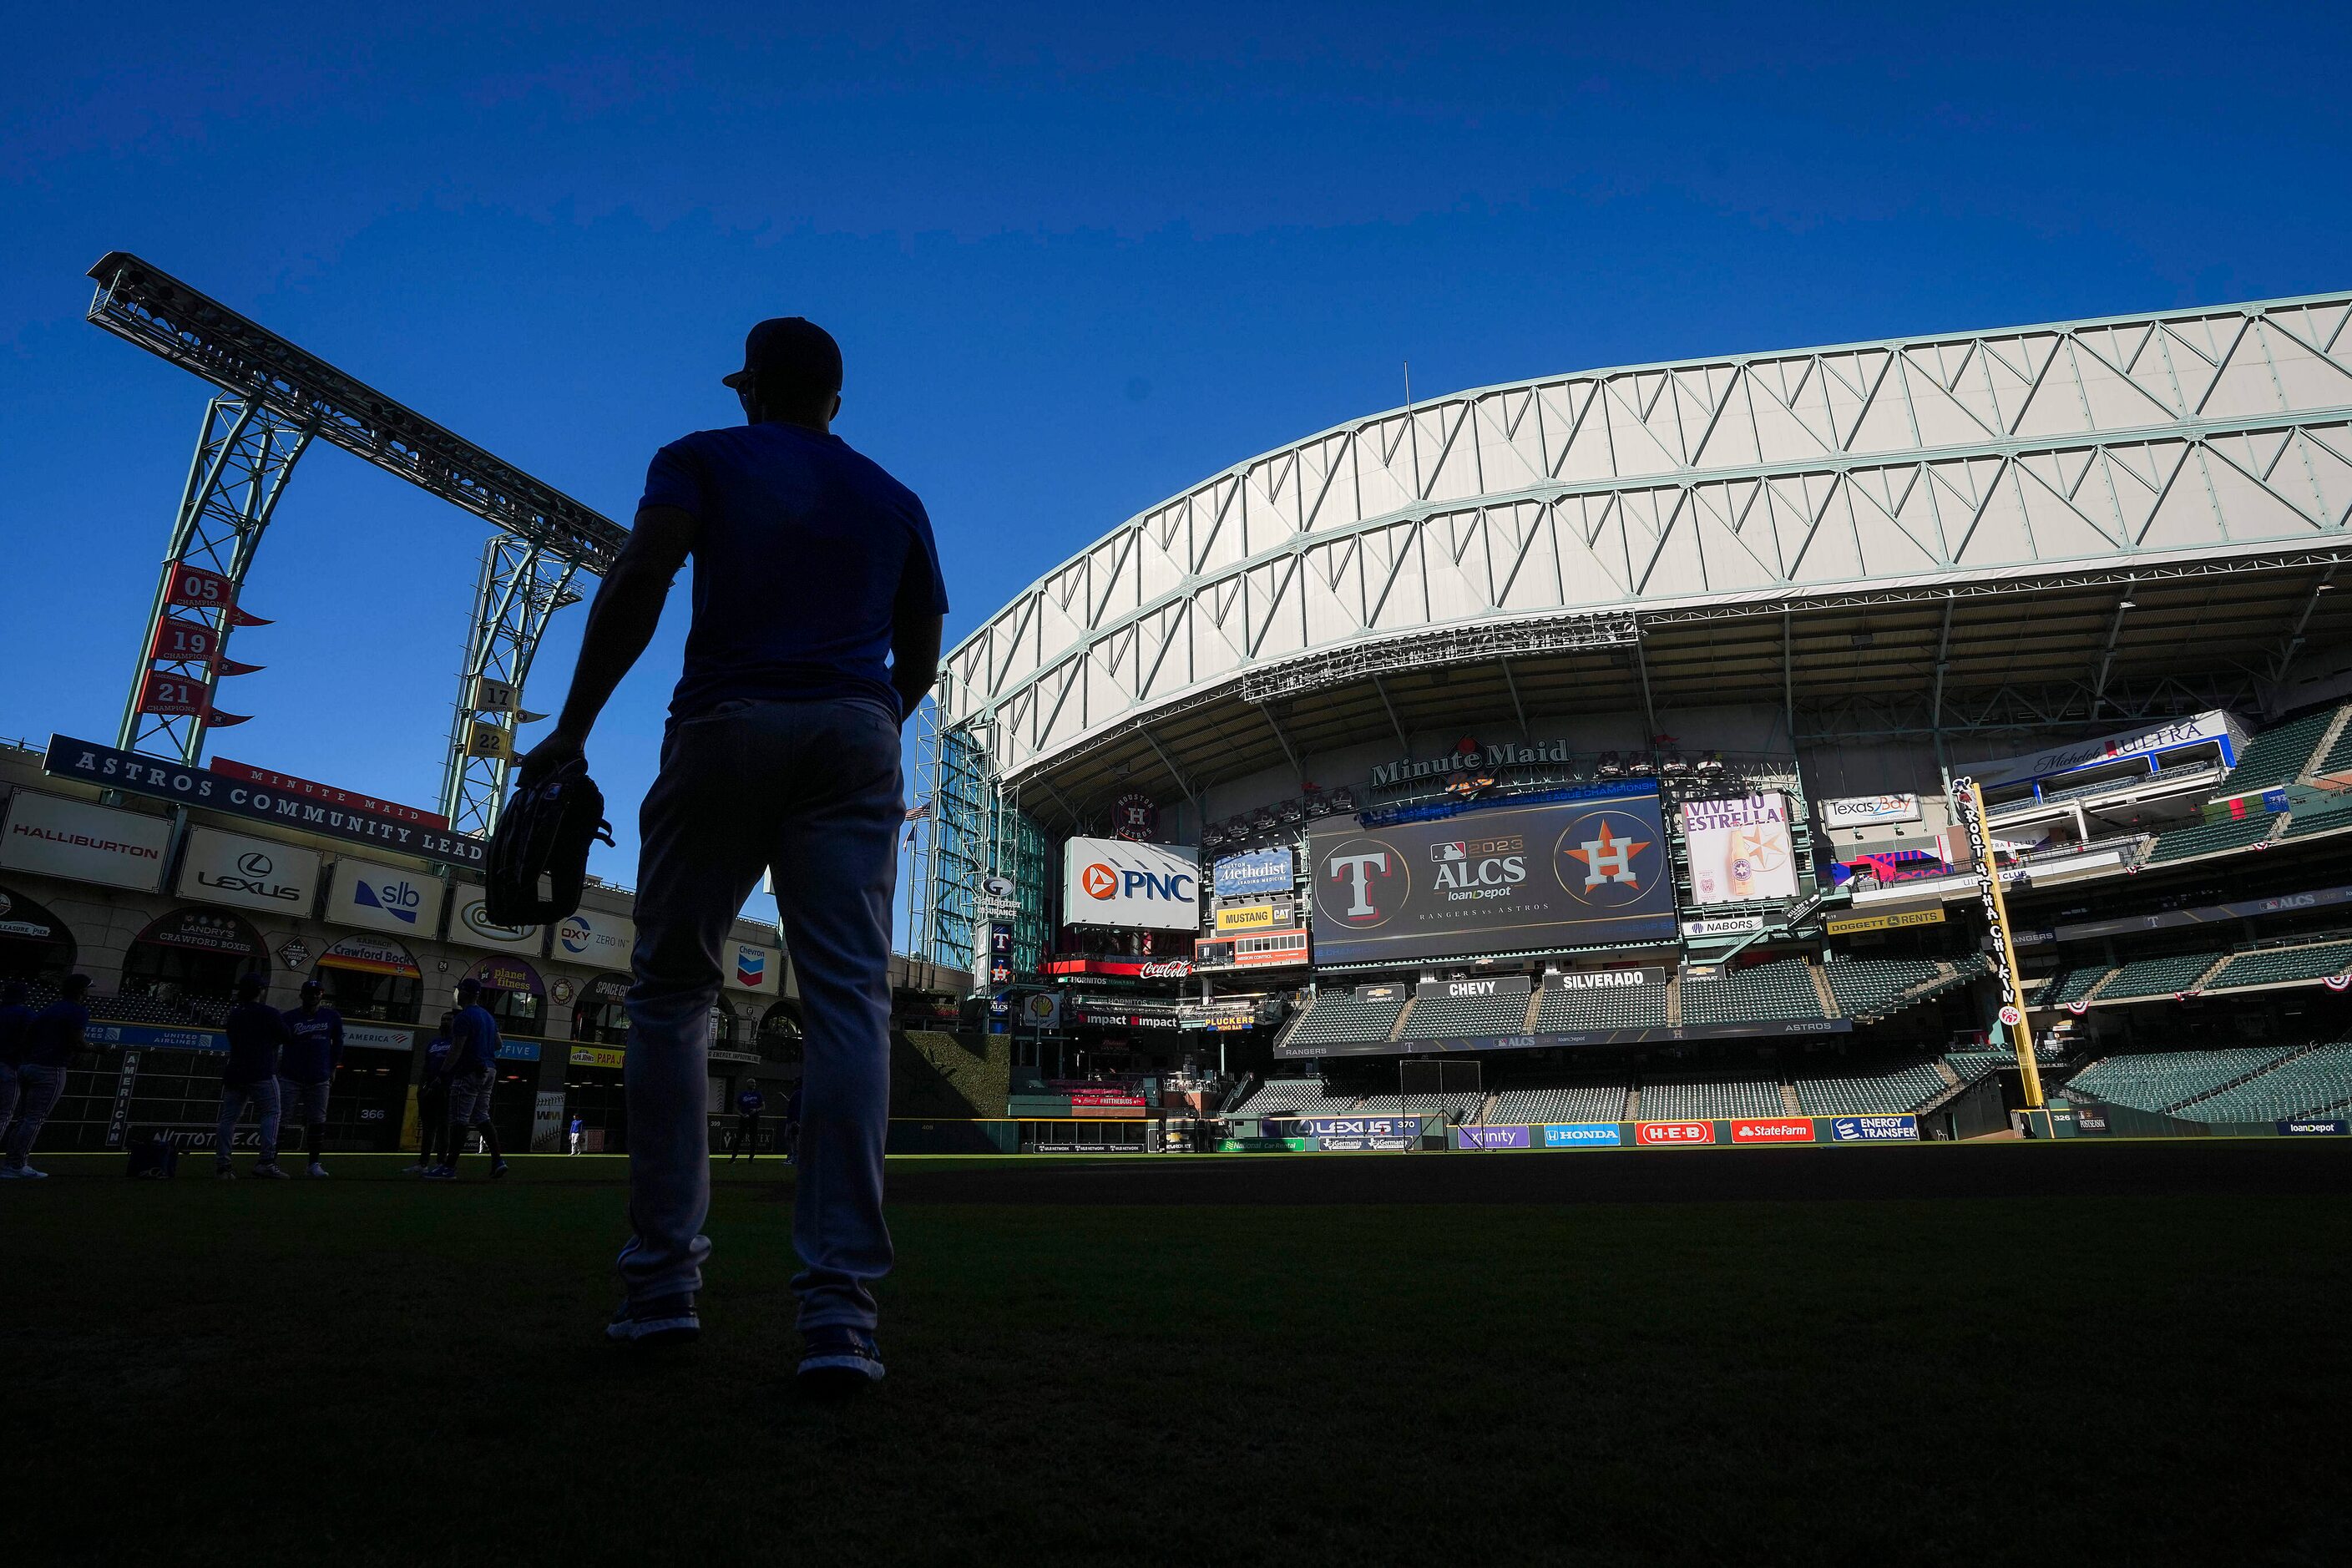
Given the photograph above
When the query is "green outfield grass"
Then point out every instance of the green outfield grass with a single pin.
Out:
(369, 1371)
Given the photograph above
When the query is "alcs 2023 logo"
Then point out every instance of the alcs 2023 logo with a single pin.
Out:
(1604, 859)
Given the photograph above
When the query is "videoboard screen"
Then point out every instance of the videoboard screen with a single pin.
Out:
(1566, 874)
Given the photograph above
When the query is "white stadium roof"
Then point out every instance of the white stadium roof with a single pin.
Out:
(1971, 500)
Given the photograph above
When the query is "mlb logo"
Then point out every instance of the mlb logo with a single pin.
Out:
(751, 966)
(1444, 853)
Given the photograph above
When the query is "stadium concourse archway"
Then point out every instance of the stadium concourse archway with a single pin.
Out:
(370, 977)
(593, 1084)
(36, 946)
(191, 958)
(514, 993)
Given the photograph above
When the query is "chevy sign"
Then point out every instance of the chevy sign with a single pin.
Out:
(1112, 882)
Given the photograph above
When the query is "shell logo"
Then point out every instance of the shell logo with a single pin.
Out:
(1098, 882)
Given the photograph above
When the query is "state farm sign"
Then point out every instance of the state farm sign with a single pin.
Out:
(1772, 1130)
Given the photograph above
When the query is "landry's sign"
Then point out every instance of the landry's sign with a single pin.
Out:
(201, 787)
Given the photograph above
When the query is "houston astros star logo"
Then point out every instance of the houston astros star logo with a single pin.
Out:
(1608, 858)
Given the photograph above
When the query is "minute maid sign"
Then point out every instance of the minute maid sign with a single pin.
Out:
(1468, 755)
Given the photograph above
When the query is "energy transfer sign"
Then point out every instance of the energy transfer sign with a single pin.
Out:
(1739, 849)
(1510, 879)
(1110, 882)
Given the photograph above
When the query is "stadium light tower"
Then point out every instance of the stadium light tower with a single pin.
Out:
(274, 400)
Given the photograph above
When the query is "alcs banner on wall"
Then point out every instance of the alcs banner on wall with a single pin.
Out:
(1512, 878)
(1109, 882)
(1739, 849)
(72, 838)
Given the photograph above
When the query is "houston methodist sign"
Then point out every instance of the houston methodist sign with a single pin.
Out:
(1112, 882)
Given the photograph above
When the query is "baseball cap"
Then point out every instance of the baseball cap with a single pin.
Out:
(790, 353)
(311, 988)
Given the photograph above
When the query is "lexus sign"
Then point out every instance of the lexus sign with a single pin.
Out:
(1109, 882)
(250, 873)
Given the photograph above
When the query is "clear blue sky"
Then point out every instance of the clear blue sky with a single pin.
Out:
(1076, 261)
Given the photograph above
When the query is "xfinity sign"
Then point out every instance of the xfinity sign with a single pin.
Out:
(1112, 882)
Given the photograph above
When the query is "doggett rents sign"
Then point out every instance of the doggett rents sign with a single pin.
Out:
(1511, 878)
(1112, 882)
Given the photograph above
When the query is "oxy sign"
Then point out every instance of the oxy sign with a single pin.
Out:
(594, 938)
(384, 898)
(1110, 882)
(250, 873)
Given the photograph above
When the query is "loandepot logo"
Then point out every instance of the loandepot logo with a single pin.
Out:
(751, 966)
(398, 899)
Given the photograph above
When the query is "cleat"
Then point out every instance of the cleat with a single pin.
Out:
(224, 1172)
(498, 1170)
(315, 1171)
(665, 1320)
(270, 1173)
(838, 1361)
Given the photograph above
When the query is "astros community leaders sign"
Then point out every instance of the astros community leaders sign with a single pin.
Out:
(201, 787)
(1512, 878)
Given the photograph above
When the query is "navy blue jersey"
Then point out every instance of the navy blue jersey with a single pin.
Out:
(751, 1102)
(314, 1045)
(436, 1062)
(257, 1033)
(16, 1033)
(474, 1040)
(804, 553)
(55, 1032)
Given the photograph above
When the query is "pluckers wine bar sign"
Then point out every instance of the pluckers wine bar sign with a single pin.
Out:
(293, 807)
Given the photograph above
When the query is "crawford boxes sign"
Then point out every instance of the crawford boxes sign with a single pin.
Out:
(409, 832)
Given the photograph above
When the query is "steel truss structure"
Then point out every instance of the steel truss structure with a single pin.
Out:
(520, 585)
(244, 454)
(276, 398)
(2123, 449)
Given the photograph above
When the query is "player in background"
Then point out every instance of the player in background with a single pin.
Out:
(576, 1129)
(473, 1069)
(748, 1106)
(15, 1025)
(433, 1099)
(257, 1033)
(51, 1039)
(306, 1071)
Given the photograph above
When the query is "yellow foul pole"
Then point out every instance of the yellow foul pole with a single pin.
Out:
(1971, 800)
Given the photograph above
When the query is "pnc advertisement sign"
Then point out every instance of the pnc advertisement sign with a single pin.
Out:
(1110, 882)
(1510, 879)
